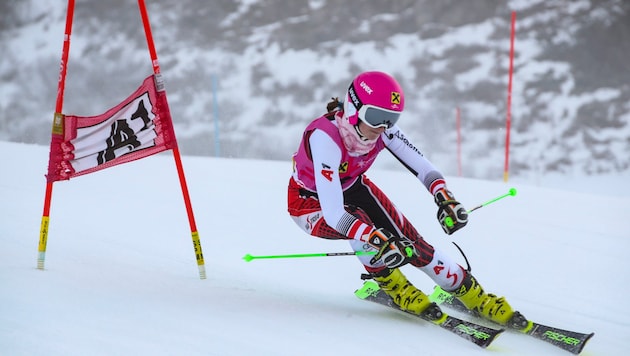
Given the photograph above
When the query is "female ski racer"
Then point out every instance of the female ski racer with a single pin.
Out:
(329, 196)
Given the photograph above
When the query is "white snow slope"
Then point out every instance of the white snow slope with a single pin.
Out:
(121, 277)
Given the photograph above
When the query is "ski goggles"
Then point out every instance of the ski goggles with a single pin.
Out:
(376, 117)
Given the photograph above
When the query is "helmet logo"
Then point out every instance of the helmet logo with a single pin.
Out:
(395, 97)
(355, 99)
(366, 87)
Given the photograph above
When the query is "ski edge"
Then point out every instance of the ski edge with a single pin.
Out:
(479, 335)
(571, 341)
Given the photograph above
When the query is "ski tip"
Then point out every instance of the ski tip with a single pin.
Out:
(588, 337)
(571, 341)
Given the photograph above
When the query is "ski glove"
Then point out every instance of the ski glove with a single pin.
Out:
(393, 251)
(451, 214)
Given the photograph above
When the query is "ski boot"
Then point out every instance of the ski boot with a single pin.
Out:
(489, 306)
(403, 293)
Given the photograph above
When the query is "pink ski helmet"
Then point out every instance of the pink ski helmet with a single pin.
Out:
(375, 98)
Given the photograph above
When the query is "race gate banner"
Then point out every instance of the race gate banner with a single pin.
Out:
(138, 127)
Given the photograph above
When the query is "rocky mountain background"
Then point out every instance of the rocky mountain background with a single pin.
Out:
(252, 73)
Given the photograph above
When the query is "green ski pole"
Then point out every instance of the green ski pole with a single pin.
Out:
(449, 222)
(249, 257)
(511, 192)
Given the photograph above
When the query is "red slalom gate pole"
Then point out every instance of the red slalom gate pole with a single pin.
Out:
(508, 122)
(178, 162)
(57, 130)
(459, 142)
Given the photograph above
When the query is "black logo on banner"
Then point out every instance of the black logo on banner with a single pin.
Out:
(123, 137)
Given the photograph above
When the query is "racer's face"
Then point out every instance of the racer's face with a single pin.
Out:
(370, 133)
